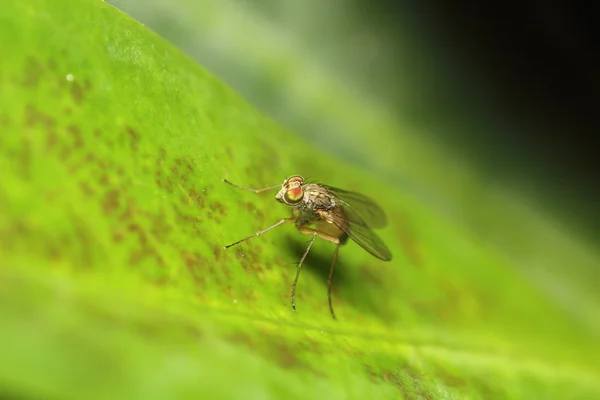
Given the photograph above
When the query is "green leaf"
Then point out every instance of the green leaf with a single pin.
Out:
(114, 282)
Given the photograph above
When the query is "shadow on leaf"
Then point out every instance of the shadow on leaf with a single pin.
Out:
(347, 285)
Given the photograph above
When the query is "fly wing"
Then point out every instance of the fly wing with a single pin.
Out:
(362, 206)
(355, 227)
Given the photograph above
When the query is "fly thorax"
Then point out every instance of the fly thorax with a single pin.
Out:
(318, 198)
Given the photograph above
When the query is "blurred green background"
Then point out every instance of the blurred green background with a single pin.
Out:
(112, 214)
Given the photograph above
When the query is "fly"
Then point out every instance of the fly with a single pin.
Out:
(328, 213)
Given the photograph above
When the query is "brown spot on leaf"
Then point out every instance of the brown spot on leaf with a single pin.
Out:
(104, 180)
(51, 140)
(77, 92)
(277, 348)
(197, 197)
(34, 117)
(249, 258)
(196, 265)
(110, 203)
(219, 207)
(33, 72)
(285, 355)
(130, 211)
(253, 210)
(82, 235)
(76, 134)
(86, 189)
(160, 228)
(136, 256)
(135, 137)
(217, 250)
(229, 152)
(451, 379)
(104, 164)
(25, 159)
(118, 236)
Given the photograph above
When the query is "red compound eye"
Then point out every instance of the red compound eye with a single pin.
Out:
(294, 195)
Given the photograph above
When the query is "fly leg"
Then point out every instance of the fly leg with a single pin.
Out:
(283, 221)
(329, 238)
(250, 189)
(335, 255)
(312, 240)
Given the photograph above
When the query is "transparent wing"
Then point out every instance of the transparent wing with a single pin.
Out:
(361, 205)
(349, 221)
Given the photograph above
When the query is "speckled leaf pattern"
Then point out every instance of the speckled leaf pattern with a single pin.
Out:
(113, 278)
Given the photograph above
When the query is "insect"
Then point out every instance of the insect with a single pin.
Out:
(328, 213)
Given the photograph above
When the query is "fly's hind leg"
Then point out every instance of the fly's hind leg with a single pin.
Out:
(335, 255)
(312, 240)
(329, 238)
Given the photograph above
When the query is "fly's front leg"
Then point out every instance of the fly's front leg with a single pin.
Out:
(283, 221)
